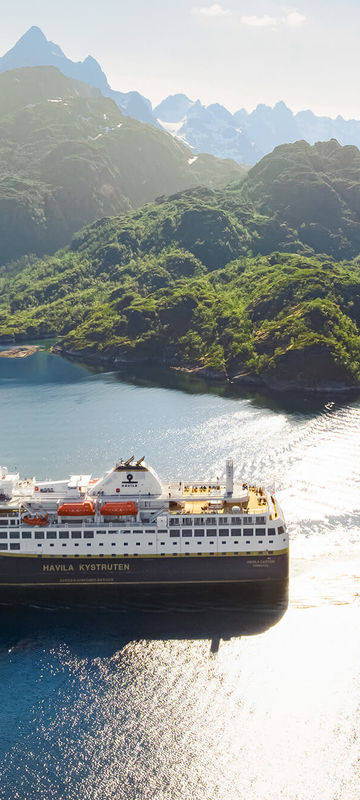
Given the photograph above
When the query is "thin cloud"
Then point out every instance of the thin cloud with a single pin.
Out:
(216, 10)
(293, 19)
(260, 22)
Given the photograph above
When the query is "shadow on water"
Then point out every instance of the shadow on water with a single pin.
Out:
(99, 625)
(45, 367)
(152, 376)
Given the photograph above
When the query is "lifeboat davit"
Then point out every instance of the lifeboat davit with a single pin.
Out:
(125, 509)
(84, 509)
(38, 521)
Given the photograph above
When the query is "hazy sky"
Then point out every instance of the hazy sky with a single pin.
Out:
(235, 52)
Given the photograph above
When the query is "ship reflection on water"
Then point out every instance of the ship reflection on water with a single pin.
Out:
(113, 619)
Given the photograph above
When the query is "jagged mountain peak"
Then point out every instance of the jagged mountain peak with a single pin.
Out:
(33, 49)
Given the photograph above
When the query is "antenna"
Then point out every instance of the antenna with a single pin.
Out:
(138, 463)
(128, 462)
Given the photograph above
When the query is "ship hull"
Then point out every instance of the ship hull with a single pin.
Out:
(28, 570)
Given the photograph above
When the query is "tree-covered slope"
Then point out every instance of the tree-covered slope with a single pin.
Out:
(68, 156)
(140, 289)
(212, 279)
(314, 190)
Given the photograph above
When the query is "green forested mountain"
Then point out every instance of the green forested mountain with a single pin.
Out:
(192, 281)
(313, 190)
(68, 156)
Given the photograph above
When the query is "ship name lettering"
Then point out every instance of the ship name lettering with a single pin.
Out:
(58, 568)
(101, 567)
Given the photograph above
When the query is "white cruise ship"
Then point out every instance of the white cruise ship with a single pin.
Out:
(128, 527)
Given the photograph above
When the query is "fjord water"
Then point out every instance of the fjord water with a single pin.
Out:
(135, 701)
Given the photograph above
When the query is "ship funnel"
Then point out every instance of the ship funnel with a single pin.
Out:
(229, 476)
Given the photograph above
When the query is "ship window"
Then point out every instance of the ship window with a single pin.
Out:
(101, 544)
(162, 530)
(247, 542)
(63, 534)
(100, 531)
(129, 532)
(125, 545)
(187, 543)
(236, 541)
(260, 531)
(260, 520)
(3, 535)
(271, 532)
(248, 520)
(162, 544)
(26, 535)
(14, 535)
(186, 533)
(223, 542)
(39, 545)
(137, 544)
(39, 534)
(236, 520)
(88, 544)
(212, 542)
(260, 541)
(174, 534)
(51, 545)
(211, 532)
(3, 522)
(210, 521)
(236, 532)
(186, 521)
(88, 534)
(3, 546)
(147, 531)
(76, 534)
(224, 531)
(51, 535)
(199, 543)
(175, 521)
(175, 543)
(271, 541)
(198, 532)
(248, 531)
(281, 529)
(113, 544)
(224, 520)
(151, 543)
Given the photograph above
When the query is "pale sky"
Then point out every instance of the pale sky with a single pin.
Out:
(238, 53)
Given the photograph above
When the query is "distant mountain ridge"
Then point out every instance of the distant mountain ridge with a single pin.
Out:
(243, 136)
(35, 50)
(248, 136)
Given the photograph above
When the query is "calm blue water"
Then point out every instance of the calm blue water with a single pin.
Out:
(141, 700)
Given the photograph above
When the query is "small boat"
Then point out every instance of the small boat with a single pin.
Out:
(84, 509)
(38, 521)
(127, 509)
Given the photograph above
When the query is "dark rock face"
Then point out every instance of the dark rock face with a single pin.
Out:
(315, 367)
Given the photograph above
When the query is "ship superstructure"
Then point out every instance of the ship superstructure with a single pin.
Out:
(129, 527)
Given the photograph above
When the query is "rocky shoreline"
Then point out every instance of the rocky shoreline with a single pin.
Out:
(23, 351)
(246, 380)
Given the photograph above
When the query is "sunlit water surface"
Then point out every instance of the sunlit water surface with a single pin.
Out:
(100, 705)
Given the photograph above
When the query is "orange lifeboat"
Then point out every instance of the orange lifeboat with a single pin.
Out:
(126, 509)
(84, 509)
(38, 521)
